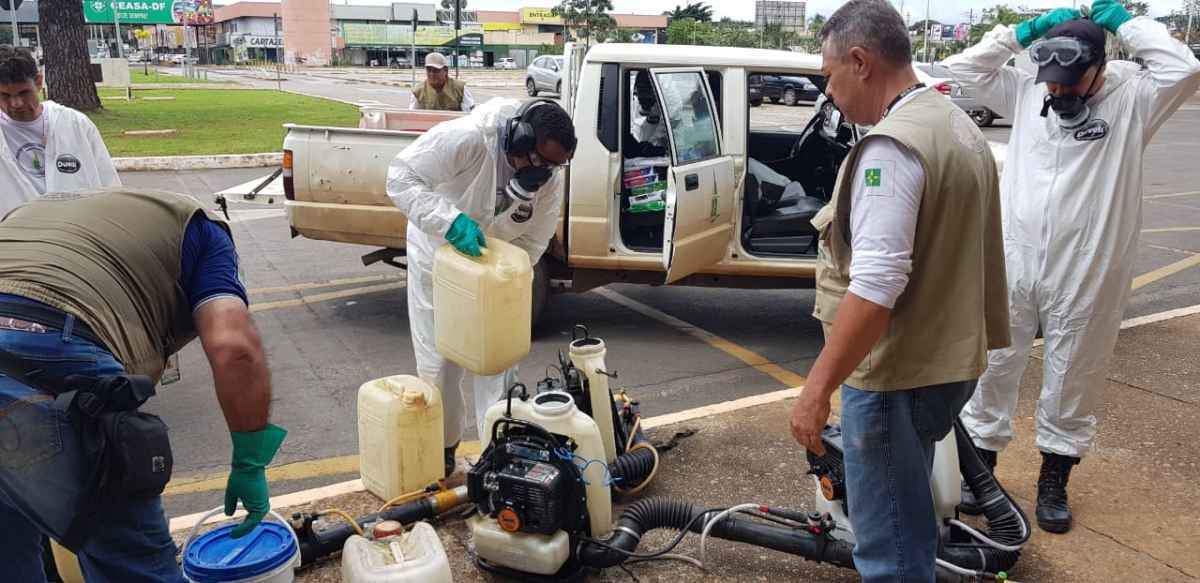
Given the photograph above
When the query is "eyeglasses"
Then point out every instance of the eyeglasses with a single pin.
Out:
(540, 162)
(1065, 50)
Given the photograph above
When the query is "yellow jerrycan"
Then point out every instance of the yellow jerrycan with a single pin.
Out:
(400, 435)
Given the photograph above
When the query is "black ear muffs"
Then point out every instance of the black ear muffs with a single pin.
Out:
(520, 138)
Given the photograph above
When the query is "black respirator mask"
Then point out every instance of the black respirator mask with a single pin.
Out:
(1072, 110)
(527, 181)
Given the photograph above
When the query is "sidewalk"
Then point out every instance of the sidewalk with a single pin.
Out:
(1134, 497)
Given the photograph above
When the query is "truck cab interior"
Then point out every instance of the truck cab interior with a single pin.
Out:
(790, 171)
(646, 158)
(790, 177)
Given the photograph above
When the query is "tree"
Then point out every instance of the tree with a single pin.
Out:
(700, 12)
(68, 64)
(816, 24)
(449, 4)
(589, 15)
(1136, 8)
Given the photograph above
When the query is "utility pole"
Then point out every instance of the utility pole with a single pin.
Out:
(927, 10)
(387, 43)
(12, 13)
(116, 25)
(278, 51)
(412, 63)
(457, 32)
(1191, 10)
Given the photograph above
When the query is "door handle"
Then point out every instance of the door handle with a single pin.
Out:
(691, 182)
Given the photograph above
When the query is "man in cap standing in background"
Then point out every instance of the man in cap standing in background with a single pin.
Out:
(1072, 202)
(440, 92)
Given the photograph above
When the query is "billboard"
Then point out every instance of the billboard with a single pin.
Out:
(539, 16)
(380, 34)
(177, 12)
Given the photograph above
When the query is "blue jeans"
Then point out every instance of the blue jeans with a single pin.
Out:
(43, 473)
(889, 442)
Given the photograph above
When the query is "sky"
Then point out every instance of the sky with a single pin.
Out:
(947, 11)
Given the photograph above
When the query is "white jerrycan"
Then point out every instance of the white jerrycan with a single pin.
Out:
(483, 306)
(400, 439)
(417, 556)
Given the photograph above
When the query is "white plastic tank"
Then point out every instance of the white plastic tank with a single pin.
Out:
(946, 481)
(400, 439)
(540, 554)
(483, 306)
(587, 354)
(556, 412)
(417, 556)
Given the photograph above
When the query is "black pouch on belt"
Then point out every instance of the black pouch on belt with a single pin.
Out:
(130, 449)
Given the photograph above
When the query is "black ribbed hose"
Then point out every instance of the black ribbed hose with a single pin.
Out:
(631, 468)
(1007, 523)
(653, 513)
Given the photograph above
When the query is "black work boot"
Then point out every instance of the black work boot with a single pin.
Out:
(450, 461)
(1053, 513)
(968, 504)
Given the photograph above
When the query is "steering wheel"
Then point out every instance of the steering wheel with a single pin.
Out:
(821, 147)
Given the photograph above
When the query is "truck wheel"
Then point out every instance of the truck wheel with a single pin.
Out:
(531, 87)
(541, 293)
(983, 117)
(789, 97)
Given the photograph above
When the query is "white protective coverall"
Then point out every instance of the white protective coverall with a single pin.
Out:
(452, 169)
(1072, 211)
(76, 155)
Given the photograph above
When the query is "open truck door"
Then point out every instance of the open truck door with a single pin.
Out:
(699, 220)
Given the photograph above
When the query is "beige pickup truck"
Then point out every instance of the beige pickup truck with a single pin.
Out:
(724, 199)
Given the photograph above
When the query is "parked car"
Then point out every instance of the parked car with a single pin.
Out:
(790, 89)
(754, 95)
(544, 74)
(182, 59)
(939, 77)
(506, 63)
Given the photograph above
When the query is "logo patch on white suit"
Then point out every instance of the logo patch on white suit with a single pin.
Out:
(1097, 129)
(878, 177)
(522, 213)
(67, 164)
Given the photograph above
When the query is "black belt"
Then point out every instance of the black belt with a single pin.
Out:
(50, 318)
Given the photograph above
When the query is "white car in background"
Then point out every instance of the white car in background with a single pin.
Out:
(938, 77)
(544, 74)
(506, 63)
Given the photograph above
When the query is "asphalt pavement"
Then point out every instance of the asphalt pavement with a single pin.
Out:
(331, 324)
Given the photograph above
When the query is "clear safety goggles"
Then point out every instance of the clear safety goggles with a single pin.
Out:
(1065, 50)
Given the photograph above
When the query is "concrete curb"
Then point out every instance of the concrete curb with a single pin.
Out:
(219, 162)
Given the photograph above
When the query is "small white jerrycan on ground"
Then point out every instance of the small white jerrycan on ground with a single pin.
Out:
(400, 436)
(416, 556)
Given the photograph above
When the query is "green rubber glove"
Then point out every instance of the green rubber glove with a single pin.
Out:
(466, 235)
(1035, 28)
(252, 451)
(1110, 14)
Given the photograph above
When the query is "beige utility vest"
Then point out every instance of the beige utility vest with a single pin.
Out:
(450, 98)
(955, 307)
(112, 258)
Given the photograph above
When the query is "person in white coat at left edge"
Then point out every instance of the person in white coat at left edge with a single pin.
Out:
(47, 147)
(495, 172)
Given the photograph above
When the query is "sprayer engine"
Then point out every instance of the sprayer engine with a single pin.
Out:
(526, 485)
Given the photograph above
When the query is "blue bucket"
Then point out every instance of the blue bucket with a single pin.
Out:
(268, 554)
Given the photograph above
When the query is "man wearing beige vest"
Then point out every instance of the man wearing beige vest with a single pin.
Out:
(440, 92)
(96, 286)
(910, 288)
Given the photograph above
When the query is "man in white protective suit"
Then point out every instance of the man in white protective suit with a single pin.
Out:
(491, 172)
(45, 147)
(1072, 199)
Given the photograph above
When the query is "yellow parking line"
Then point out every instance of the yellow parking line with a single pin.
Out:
(741, 353)
(1171, 230)
(325, 297)
(1148, 278)
(1173, 195)
(347, 464)
(321, 284)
